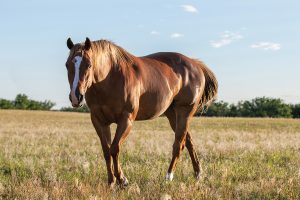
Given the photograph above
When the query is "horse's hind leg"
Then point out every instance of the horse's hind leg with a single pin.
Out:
(171, 115)
(183, 115)
(194, 157)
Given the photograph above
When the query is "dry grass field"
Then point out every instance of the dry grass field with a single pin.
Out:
(52, 155)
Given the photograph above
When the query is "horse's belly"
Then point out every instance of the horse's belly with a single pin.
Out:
(153, 104)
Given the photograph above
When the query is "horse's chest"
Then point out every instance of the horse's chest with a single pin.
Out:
(109, 112)
(106, 113)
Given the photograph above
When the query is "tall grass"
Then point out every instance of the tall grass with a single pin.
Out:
(52, 155)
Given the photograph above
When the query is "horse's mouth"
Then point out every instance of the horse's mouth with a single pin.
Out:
(77, 105)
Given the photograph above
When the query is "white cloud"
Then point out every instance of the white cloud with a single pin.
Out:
(176, 35)
(154, 33)
(227, 37)
(266, 46)
(189, 8)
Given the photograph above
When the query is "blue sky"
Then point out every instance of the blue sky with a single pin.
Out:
(251, 45)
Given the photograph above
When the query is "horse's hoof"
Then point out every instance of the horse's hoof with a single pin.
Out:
(169, 176)
(111, 185)
(123, 182)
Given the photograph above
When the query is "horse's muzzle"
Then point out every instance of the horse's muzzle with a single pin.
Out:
(76, 99)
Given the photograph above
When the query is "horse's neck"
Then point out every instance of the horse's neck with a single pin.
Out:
(106, 75)
(111, 80)
(100, 68)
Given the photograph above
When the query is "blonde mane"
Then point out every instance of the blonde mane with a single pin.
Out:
(110, 52)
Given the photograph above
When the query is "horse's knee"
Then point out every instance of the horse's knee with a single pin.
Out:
(114, 150)
(107, 155)
(180, 142)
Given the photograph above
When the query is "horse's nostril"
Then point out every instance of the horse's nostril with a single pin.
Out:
(80, 97)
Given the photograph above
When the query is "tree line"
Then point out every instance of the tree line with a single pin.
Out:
(258, 107)
(22, 102)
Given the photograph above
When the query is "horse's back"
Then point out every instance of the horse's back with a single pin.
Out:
(187, 69)
(188, 72)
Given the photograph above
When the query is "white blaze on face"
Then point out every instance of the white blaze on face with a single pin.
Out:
(77, 61)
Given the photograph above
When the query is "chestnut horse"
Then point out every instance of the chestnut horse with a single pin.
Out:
(121, 88)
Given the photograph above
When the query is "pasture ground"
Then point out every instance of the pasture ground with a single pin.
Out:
(54, 155)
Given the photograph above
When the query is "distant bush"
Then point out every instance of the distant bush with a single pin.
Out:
(84, 109)
(216, 109)
(24, 103)
(6, 104)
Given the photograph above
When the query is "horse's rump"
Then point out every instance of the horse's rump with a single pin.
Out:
(185, 77)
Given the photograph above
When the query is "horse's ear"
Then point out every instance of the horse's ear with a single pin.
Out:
(70, 43)
(87, 44)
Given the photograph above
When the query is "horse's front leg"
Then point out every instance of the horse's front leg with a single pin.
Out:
(104, 134)
(123, 128)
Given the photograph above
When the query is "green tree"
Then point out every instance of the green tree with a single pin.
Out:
(6, 104)
(233, 111)
(21, 101)
(296, 110)
(218, 109)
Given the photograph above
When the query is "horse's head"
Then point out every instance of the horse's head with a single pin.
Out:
(80, 72)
